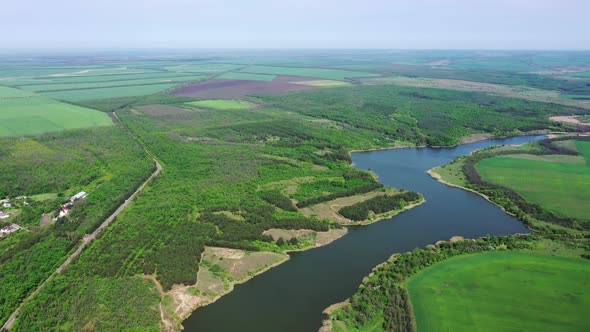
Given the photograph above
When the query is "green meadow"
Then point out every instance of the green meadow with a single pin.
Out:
(221, 104)
(24, 113)
(503, 291)
(561, 184)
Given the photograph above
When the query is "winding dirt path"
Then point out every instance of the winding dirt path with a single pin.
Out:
(90, 237)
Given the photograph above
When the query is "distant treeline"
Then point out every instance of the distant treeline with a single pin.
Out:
(379, 204)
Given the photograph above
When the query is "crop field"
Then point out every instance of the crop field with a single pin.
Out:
(23, 113)
(96, 85)
(22, 82)
(560, 184)
(246, 77)
(220, 104)
(104, 93)
(330, 74)
(223, 89)
(203, 68)
(502, 291)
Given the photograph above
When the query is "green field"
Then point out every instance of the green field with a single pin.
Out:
(104, 93)
(246, 76)
(503, 291)
(202, 68)
(97, 85)
(221, 104)
(331, 74)
(23, 113)
(561, 184)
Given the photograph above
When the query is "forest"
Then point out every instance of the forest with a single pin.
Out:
(103, 161)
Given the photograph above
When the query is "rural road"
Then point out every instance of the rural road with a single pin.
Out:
(90, 237)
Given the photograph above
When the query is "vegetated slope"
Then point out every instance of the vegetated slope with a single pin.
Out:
(502, 291)
(216, 163)
(561, 185)
(25, 113)
(104, 162)
(422, 116)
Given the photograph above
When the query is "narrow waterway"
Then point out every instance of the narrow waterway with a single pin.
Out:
(291, 297)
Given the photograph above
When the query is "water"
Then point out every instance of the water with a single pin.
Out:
(291, 297)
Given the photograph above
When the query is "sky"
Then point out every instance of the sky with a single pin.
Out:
(372, 24)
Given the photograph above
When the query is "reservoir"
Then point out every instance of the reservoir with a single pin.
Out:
(292, 296)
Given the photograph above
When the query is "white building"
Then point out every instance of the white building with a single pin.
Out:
(78, 196)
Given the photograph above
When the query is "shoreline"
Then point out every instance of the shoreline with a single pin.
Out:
(287, 257)
(479, 139)
(378, 218)
(168, 323)
(433, 174)
(386, 215)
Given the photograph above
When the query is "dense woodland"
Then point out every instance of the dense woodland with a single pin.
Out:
(433, 117)
(105, 162)
(378, 205)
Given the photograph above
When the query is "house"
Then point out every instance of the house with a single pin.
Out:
(7, 204)
(4, 215)
(9, 229)
(79, 196)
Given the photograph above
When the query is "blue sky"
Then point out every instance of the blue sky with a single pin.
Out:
(413, 24)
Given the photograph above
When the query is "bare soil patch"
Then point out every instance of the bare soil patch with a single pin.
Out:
(475, 138)
(288, 234)
(569, 119)
(329, 210)
(220, 89)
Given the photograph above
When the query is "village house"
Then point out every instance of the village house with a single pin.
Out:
(66, 207)
(4, 215)
(6, 230)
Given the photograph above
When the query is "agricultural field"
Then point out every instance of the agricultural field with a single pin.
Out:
(330, 74)
(559, 183)
(246, 77)
(223, 89)
(220, 104)
(25, 113)
(106, 93)
(502, 291)
(95, 85)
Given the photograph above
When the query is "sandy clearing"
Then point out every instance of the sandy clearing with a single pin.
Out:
(288, 234)
(571, 119)
(329, 210)
(475, 138)
(566, 119)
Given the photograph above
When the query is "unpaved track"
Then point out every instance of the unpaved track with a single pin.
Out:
(89, 238)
